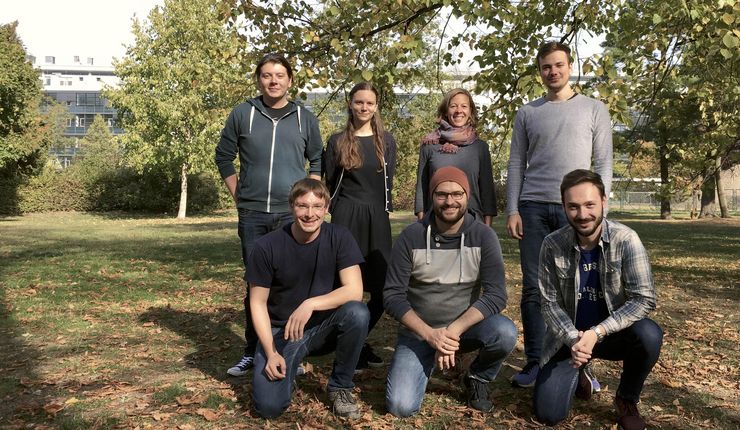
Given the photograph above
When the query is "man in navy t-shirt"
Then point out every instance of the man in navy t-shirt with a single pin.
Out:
(306, 298)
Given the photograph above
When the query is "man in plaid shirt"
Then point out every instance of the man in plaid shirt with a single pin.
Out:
(597, 289)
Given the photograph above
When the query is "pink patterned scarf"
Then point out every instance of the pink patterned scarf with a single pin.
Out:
(452, 138)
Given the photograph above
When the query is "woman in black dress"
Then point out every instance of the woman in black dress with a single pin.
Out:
(359, 163)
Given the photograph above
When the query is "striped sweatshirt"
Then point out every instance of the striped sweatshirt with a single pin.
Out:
(440, 276)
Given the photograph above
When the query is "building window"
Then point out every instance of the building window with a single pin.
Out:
(89, 61)
(47, 81)
(80, 77)
(98, 79)
(77, 58)
(49, 59)
(69, 122)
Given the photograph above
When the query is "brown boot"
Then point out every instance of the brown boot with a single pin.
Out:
(628, 416)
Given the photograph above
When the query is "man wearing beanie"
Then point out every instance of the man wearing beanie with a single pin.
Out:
(445, 285)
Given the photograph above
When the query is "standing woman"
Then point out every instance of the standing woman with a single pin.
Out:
(456, 143)
(359, 163)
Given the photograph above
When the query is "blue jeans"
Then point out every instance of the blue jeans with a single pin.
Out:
(413, 362)
(638, 346)
(252, 226)
(344, 330)
(538, 220)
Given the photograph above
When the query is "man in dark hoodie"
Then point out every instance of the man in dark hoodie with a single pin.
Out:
(273, 137)
(433, 288)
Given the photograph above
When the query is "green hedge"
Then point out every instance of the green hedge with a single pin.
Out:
(122, 189)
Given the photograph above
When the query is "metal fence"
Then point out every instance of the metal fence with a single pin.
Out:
(645, 200)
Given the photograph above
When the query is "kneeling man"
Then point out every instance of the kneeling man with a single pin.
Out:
(297, 307)
(433, 287)
(597, 290)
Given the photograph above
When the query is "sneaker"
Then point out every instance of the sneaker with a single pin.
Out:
(477, 392)
(241, 368)
(343, 404)
(587, 383)
(527, 377)
(628, 416)
(368, 358)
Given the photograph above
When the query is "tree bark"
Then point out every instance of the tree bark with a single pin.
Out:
(181, 213)
(722, 199)
(665, 199)
(708, 190)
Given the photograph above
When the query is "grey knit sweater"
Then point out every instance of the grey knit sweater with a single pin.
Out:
(551, 139)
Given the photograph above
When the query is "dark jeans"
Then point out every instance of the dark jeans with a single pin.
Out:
(413, 362)
(252, 226)
(638, 346)
(538, 220)
(344, 330)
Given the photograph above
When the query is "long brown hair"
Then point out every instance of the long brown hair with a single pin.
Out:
(445, 104)
(348, 153)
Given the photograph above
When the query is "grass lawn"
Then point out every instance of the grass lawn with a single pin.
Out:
(121, 321)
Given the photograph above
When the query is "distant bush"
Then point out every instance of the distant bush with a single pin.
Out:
(120, 189)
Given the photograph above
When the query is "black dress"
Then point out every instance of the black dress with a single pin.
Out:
(361, 202)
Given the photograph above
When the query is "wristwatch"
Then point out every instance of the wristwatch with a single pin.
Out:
(599, 334)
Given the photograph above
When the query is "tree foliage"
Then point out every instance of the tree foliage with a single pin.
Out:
(179, 79)
(385, 41)
(681, 57)
(23, 137)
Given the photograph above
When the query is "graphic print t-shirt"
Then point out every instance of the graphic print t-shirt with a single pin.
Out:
(591, 303)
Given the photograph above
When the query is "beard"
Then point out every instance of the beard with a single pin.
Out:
(452, 218)
(587, 231)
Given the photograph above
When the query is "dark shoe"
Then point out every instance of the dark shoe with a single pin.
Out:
(628, 416)
(368, 359)
(527, 377)
(343, 404)
(241, 368)
(587, 383)
(477, 392)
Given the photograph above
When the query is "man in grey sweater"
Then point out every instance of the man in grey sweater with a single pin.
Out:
(552, 136)
(445, 285)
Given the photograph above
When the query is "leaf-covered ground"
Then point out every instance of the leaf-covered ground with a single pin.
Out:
(118, 321)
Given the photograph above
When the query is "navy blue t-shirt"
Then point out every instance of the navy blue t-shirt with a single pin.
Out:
(591, 304)
(296, 271)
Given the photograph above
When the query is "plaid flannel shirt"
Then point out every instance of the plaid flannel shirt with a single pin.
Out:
(625, 276)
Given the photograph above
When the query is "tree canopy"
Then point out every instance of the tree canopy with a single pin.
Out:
(23, 139)
(183, 73)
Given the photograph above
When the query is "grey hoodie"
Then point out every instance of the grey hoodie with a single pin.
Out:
(272, 153)
(441, 276)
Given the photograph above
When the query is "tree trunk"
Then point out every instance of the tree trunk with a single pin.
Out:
(707, 193)
(665, 198)
(183, 192)
(722, 198)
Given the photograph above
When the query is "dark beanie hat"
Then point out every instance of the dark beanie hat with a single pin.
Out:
(451, 174)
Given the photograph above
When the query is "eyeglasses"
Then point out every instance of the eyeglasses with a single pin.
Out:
(442, 196)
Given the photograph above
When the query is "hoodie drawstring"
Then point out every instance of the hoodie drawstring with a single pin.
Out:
(251, 118)
(300, 130)
(462, 249)
(429, 239)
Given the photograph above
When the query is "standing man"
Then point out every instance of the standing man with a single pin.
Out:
(553, 135)
(438, 268)
(597, 291)
(299, 309)
(273, 137)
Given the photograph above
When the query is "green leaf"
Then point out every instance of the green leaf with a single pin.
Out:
(730, 40)
(728, 18)
(657, 19)
(367, 75)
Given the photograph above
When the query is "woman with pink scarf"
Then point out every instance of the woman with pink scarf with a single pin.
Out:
(456, 143)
